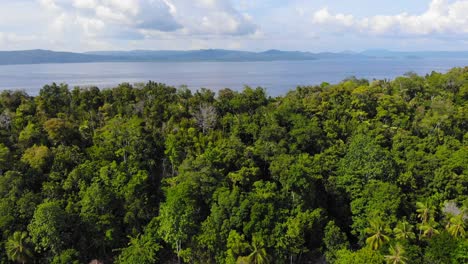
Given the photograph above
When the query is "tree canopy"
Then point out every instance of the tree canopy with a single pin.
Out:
(355, 172)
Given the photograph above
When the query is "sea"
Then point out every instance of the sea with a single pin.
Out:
(277, 77)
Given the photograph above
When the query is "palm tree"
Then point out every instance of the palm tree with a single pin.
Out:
(428, 229)
(377, 234)
(404, 231)
(456, 226)
(425, 210)
(397, 255)
(16, 247)
(258, 255)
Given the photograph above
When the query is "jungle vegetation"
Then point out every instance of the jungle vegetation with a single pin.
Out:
(356, 172)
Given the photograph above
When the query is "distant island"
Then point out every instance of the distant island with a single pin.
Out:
(47, 56)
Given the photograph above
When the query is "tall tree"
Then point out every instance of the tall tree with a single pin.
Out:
(428, 229)
(404, 231)
(141, 249)
(378, 234)
(456, 226)
(397, 255)
(425, 210)
(17, 247)
(177, 217)
(259, 254)
(48, 228)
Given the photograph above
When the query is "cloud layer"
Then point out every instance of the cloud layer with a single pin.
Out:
(333, 25)
(440, 19)
(134, 19)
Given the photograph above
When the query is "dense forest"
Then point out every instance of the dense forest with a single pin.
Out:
(356, 172)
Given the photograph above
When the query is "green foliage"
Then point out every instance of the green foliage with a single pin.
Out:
(334, 240)
(397, 255)
(297, 227)
(378, 200)
(404, 231)
(362, 256)
(141, 249)
(177, 217)
(17, 247)
(54, 99)
(4, 157)
(68, 256)
(149, 173)
(38, 157)
(296, 174)
(48, 227)
(425, 210)
(59, 130)
(429, 229)
(237, 246)
(459, 254)
(258, 255)
(456, 226)
(29, 135)
(364, 161)
(440, 249)
(378, 234)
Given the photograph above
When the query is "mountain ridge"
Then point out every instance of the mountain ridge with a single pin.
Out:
(40, 56)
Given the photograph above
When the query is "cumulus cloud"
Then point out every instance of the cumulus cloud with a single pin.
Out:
(210, 17)
(323, 16)
(80, 25)
(135, 19)
(441, 18)
(110, 17)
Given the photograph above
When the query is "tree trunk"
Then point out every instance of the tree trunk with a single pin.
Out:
(178, 251)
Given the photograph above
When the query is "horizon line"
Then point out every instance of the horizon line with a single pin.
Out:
(239, 50)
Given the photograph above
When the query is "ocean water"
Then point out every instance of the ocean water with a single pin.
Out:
(277, 77)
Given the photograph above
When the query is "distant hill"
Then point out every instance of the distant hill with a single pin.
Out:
(47, 56)
(221, 55)
(207, 55)
(414, 54)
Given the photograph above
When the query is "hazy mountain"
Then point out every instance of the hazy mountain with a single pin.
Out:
(414, 54)
(46, 56)
(221, 55)
(207, 55)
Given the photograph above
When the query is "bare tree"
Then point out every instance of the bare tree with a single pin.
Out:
(206, 117)
(5, 120)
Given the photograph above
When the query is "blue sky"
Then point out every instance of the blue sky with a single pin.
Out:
(82, 25)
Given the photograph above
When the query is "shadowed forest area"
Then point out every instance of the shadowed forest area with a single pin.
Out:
(356, 172)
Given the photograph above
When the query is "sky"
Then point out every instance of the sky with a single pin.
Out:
(255, 25)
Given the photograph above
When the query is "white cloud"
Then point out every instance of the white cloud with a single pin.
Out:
(81, 25)
(111, 17)
(90, 4)
(441, 18)
(12, 39)
(211, 17)
(91, 26)
(324, 17)
(49, 5)
(127, 19)
(94, 24)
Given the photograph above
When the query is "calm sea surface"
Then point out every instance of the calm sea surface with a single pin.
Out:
(277, 77)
